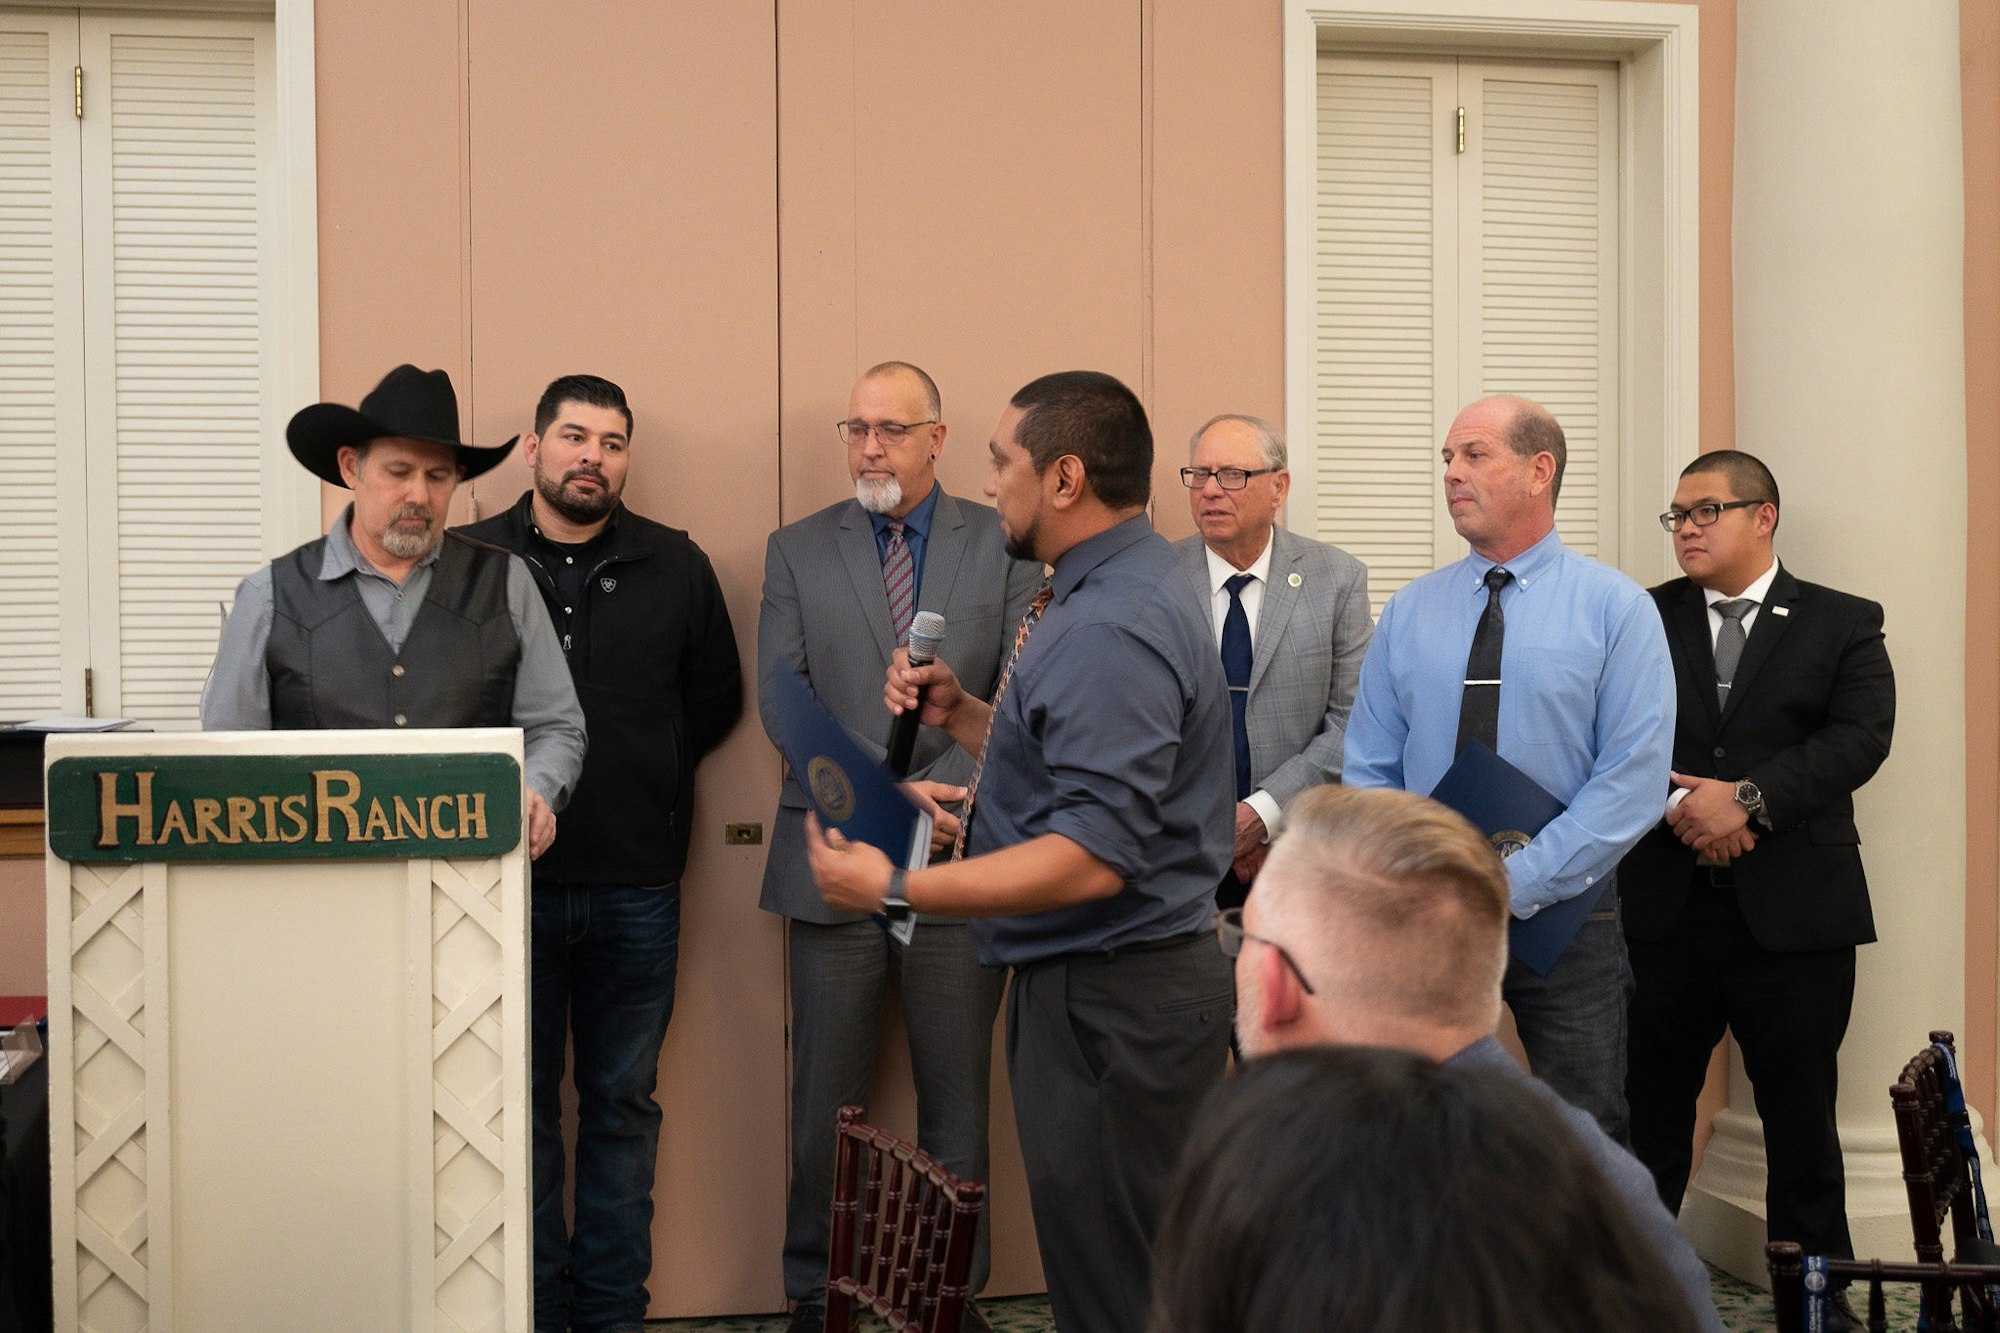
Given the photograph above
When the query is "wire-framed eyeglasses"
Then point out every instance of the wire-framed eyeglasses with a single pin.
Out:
(889, 432)
(1229, 933)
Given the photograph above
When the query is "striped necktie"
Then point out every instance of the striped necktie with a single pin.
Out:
(1035, 609)
(899, 580)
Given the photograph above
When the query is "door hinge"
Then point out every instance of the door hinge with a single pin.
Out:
(79, 92)
(1461, 125)
(89, 692)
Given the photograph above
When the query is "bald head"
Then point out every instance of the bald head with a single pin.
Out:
(1394, 908)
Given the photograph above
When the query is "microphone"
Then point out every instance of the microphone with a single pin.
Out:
(927, 630)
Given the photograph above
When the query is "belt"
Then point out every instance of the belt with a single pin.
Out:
(1715, 877)
(1121, 950)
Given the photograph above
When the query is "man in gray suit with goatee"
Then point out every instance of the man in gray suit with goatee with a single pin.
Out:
(1291, 620)
(840, 589)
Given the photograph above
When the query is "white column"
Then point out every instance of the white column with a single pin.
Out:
(1850, 384)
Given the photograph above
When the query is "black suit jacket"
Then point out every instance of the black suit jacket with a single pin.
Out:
(1809, 720)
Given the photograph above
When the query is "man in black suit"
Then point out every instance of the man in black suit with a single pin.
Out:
(1743, 906)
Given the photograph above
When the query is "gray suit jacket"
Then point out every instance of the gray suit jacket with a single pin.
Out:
(1311, 635)
(825, 615)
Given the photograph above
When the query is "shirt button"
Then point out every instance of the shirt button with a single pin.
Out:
(1717, 752)
(402, 721)
(396, 670)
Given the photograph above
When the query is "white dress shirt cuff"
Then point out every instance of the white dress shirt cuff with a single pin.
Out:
(1267, 810)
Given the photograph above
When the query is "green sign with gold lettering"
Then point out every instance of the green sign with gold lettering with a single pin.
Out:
(284, 807)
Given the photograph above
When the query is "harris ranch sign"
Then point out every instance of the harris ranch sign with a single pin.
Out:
(275, 807)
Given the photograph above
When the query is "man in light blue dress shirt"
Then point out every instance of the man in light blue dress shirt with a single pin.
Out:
(1586, 710)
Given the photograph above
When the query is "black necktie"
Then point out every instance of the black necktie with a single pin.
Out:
(1236, 659)
(1479, 711)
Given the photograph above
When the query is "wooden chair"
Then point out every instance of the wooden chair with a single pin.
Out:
(902, 1233)
(1941, 1173)
(1795, 1279)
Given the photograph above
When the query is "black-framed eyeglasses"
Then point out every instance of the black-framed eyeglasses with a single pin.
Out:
(1703, 515)
(1229, 478)
(889, 432)
(1229, 933)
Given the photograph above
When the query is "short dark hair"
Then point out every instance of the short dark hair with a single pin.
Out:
(1095, 417)
(590, 390)
(933, 400)
(1535, 430)
(1368, 1188)
(1746, 474)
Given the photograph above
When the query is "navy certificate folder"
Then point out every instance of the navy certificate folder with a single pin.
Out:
(1510, 808)
(848, 789)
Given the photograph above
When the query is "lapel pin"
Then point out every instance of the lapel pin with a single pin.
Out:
(1295, 580)
(1781, 610)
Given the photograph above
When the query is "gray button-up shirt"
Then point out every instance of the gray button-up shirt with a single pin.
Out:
(1114, 732)
(238, 694)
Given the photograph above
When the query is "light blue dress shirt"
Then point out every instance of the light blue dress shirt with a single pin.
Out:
(1586, 707)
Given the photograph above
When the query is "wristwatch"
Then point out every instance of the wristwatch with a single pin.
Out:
(1750, 798)
(895, 905)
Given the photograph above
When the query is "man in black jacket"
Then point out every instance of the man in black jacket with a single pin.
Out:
(642, 623)
(1743, 907)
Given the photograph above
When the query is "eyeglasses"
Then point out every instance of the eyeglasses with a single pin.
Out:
(1229, 933)
(1229, 478)
(1703, 515)
(889, 432)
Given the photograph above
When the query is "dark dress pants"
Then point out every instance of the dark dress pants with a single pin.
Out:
(1110, 1056)
(840, 980)
(1788, 1013)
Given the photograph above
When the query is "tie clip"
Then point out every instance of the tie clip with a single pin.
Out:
(1482, 682)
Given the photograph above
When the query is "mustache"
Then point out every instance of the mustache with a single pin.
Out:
(421, 513)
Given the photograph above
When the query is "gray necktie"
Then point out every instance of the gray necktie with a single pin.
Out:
(1729, 641)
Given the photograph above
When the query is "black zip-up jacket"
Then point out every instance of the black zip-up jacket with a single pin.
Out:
(653, 655)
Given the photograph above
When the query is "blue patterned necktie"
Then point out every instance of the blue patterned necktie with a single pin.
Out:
(1236, 666)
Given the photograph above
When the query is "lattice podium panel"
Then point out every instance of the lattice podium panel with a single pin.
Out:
(290, 1094)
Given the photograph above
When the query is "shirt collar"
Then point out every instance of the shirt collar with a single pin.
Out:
(342, 557)
(1220, 571)
(918, 520)
(1759, 590)
(1080, 559)
(1526, 567)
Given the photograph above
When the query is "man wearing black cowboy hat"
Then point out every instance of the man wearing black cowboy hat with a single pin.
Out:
(389, 621)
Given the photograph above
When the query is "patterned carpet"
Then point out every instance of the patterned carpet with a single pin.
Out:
(1744, 1309)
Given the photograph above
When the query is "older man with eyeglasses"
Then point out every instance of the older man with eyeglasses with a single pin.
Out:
(1291, 618)
(1381, 920)
(840, 589)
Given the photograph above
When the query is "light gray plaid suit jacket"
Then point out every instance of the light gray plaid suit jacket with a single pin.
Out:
(1310, 638)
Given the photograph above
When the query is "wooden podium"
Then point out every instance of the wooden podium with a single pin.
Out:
(289, 1031)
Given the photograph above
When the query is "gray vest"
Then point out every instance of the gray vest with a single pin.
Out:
(330, 667)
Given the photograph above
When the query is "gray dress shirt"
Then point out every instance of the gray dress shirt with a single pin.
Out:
(1114, 732)
(238, 694)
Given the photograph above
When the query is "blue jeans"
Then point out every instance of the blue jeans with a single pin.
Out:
(603, 961)
(1572, 1021)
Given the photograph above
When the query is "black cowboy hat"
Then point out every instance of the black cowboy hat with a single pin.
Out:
(408, 404)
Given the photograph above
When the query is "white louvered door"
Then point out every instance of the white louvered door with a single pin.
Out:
(1443, 275)
(43, 584)
(139, 381)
